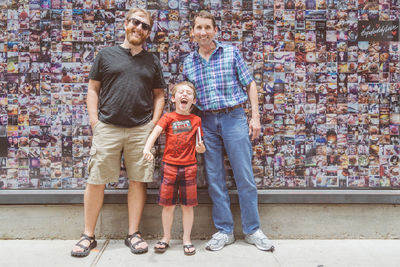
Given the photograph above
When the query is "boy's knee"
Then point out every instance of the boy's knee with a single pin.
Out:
(169, 208)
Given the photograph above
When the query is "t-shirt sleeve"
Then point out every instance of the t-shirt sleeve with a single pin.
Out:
(159, 81)
(245, 77)
(163, 122)
(95, 71)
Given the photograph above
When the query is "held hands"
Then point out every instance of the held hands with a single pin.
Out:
(200, 148)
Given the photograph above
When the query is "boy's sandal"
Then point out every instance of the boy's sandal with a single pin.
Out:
(187, 251)
(133, 248)
(86, 249)
(162, 249)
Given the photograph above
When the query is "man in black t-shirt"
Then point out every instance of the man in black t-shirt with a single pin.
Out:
(125, 100)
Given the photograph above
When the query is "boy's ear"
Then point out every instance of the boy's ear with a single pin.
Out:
(173, 99)
(194, 101)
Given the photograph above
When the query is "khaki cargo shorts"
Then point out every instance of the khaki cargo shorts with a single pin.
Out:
(108, 144)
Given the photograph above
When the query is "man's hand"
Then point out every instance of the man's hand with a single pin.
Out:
(254, 127)
(92, 101)
(254, 124)
(93, 123)
(200, 148)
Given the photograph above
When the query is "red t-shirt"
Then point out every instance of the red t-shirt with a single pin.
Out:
(180, 131)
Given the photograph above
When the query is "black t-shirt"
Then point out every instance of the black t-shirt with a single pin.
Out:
(127, 83)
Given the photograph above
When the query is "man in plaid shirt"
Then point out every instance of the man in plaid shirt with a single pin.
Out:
(224, 83)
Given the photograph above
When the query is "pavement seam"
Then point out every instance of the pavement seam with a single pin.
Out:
(96, 260)
(275, 257)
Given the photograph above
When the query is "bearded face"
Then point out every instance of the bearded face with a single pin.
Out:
(134, 32)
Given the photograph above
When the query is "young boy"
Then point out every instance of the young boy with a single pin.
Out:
(179, 167)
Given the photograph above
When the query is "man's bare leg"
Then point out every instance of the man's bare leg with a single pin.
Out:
(136, 200)
(93, 201)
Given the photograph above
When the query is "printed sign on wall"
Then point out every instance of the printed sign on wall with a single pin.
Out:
(378, 30)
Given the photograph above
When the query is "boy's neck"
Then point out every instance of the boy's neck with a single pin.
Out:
(181, 112)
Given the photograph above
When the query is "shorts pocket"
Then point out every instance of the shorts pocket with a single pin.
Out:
(96, 124)
(90, 162)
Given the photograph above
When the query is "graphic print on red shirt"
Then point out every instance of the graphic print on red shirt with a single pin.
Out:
(180, 131)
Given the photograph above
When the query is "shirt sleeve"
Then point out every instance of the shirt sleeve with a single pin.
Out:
(185, 68)
(163, 122)
(159, 81)
(245, 77)
(96, 70)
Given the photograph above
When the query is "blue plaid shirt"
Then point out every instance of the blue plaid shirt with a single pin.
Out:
(219, 81)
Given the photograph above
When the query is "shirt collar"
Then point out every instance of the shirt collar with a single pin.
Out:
(218, 45)
(128, 51)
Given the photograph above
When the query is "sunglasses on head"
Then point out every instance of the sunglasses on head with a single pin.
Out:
(137, 22)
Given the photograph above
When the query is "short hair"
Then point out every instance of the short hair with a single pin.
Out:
(204, 15)
(189, 84)
(139, 10)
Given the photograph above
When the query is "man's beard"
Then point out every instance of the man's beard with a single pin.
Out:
(136, 41)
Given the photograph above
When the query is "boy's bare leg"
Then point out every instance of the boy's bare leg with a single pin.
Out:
(93, 201)
(187, 221)
(167, 217)
(136, 201)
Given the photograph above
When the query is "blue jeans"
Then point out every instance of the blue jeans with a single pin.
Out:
(229, 130)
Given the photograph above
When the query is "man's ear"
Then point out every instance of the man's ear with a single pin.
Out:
(216, 29)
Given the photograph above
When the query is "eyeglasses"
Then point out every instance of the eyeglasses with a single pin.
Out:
(137, 22)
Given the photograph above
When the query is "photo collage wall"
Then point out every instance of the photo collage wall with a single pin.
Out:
(327, 72)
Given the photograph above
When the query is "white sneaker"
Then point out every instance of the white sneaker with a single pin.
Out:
(260, 240)
(219, 240)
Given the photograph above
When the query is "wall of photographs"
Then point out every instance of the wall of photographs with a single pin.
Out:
(328, 76)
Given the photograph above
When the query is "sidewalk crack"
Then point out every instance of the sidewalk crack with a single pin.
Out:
(96, 260)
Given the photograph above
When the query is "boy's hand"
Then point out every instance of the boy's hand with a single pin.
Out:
(148, 155)
(200, 148)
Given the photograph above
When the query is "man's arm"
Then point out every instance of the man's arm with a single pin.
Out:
(92, 101)
(158, 104)
(254, 125)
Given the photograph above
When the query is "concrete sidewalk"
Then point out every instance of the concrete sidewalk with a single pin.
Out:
(290, 253)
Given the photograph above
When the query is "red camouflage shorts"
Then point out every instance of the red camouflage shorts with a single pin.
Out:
(178, 185)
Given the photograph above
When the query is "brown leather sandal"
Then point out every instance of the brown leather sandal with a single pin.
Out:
(133, 248)
(86, 250)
